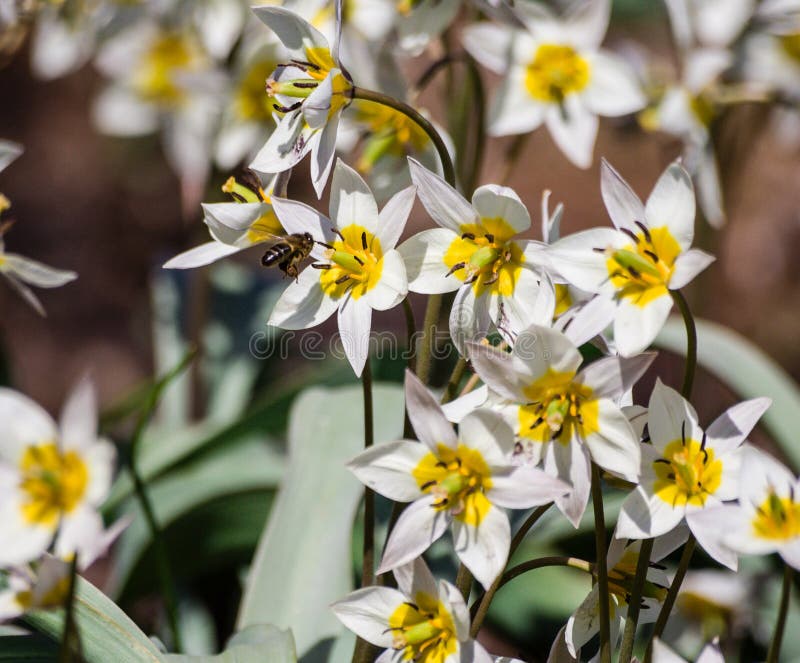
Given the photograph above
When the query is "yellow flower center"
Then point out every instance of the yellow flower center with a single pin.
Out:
(5, 203)
(54, 597)
(556, 71)
(559, 409)
(390, 133)
(156, 79)
(641, 271)
(563, 300)
(251, 101)
(458, 478)
(791, 45)
(485, 256)
(356, 263)
(688, 473)
(703, 109)
(777, 518)
(53, 483)
(424, 630)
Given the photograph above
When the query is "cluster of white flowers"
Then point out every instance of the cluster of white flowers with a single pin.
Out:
(542, 422)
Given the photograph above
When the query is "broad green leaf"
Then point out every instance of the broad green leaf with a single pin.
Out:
(245, 468)
(304, 559)
(254, 644)
(107, 634)
(27, 649)
(747, 370)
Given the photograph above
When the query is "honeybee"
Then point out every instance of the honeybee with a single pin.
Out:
(287, 252)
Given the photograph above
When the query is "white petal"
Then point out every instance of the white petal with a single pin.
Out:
(9, 152)
(469, 318)
(587, 22)
(392, 287)
(20, 541)
(299, 218)
(423, 255)
(711, 654)
(497, 369)
(322, 155)
(791, 554)
(513, 110)
(488, 433)
(709, 187)
(644, 516)
(489, 44)
(295, 33)
(711, 541)
(100, 458)
(532, 302)
(286, 146)
(523, 487)
(417, 528)
(574, 129)
(355, 324)
(672, 204)
(393, 217)
(591, 319)
(446, 206)
(416, 577)
(78, 421)
(540, 349)
(662, 653)
(316, 108)
(584, 623)
(36, 273)
(559, 652)
(366, 612)
(732, 427)
(201, 255)
(610, 377)
(614, 446)
(303, 304)
(426, 416)
(492, 201)
(613, 89)
(119, 112)
(574, 258)
(459, 408)
(636, 327)
(78, 533)
(352, 201)
(572, 464)
(762, 474)
(22, 423)
(387, 469)
(9, 606)
(483, 549)
(623, 205)
(670, 415)
(229, 222)
(687, 266)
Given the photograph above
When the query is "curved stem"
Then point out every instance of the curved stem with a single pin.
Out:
(481, 605)
(635, 601)
(415, 116)
(434, 68)
(691, 343)
(783, 611)
(602, 568)
(672, 594)
(70, 640)
(455, 380)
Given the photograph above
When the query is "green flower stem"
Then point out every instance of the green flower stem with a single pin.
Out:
(455, 380)
(163, 566)
(635, 601)
(415, 116)
(411, 331)
(425, 352)
(783, 611)
(482, 603)
(602, 568)
(672, 594)
(464, 582)
(70, 639)
(691, 343)
(368, 565)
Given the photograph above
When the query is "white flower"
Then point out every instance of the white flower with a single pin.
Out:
(565, 416)
(767, 517)
(772, 55)
(41, 589)
(634, 266)
(19, 270)
(358, 269)
(310, 93)
(686, 470)
(452, 480)
(421, 620)
(621, 561)
(476, 252)
(236, 226)
(555, 74)
(711, 653)
(52, 478)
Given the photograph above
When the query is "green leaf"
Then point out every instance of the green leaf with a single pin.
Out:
(304, 559)
(747, 370)
(27, 649)
(249, 467)
(106, 633)
(254, 644)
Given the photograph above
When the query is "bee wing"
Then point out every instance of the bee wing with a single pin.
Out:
(272, 240)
